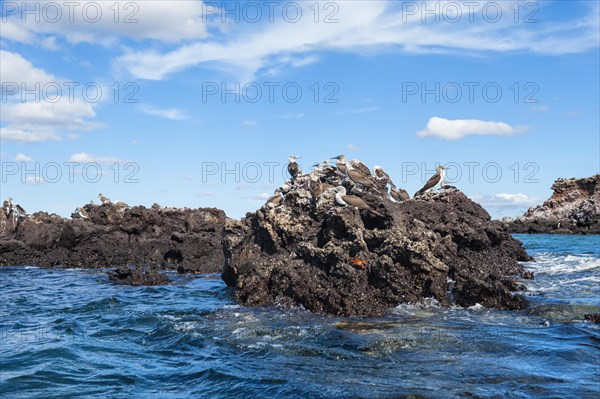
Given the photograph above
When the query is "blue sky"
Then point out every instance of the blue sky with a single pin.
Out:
(504, 93)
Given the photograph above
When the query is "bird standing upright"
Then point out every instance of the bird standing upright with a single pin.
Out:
(293, 167)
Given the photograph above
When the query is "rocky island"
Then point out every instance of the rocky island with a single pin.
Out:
(305, 249)
(573, 208)
(338, 240)
(113, 234)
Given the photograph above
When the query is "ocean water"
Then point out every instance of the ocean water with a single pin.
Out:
(72, 334)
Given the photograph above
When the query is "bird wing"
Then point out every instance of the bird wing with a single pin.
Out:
(433, 180)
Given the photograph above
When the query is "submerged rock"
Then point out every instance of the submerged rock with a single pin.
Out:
(573, 208)
(138, 275)
(343, 261)
(188, 240)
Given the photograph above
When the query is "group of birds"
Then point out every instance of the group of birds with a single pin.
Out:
(14, 210)
(346, 175)
(81, 213)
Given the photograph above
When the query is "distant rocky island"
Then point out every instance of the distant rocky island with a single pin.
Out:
(573, 208)
(188, 240)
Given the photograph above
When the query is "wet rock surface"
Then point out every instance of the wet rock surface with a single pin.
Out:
(345, 261)
(187, 240)
(138, 275)
(573, 208)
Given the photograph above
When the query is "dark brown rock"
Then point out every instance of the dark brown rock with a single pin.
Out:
(188, 240)
(343, 261)
(138, 275)
(593, 317)
(573, 208)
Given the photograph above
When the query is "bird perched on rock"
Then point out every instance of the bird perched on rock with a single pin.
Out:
(352, 200)
(293, 167)
(7, 205)
(434, 180)
(20, 210)
(399, 195)
(315, 186)
(359, 178)
(341, 163)
(80, 214)
(275, 200)
(361, 167)
(103, 199)
(381, 175)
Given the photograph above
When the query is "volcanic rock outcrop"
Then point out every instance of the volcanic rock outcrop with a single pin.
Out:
(188, 240)
(573, 208)
(339, 260)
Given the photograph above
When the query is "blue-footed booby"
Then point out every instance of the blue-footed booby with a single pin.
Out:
(293, 167)
(434, 180)
(359, 178)
(381, 175)
(341, 163)
(361, 167)
(314, 185)
(399, 195)
(103, 199)
(352, 200)
(80, 214)
(7, 205)
(275, 200)
(21, 211)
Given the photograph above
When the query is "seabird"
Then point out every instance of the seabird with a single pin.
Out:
(80, 214)
(341, 163)
(315, 186)
(434, 180)
(275, 200)
(293, 167)
(121, 204)
(359, 178)
(6, 205)
(21, 211)
(103, 199)
(352, 200)
(381, 175)
(361, 167)
(399, 195)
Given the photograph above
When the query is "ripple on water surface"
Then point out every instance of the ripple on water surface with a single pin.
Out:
(71, 334)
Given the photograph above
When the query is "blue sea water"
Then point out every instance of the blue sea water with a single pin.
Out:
(72, 334)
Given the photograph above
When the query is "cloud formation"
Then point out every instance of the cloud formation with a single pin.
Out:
(455, 129)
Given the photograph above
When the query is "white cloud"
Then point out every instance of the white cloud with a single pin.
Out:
(506, 200)
(257, 197)
(34, 180)
(540, 108)
(363, 27)
(83, 157)
(39, 119)
(249, 123)
(49, 43)
(205, 194)
(10, 134)
(166, 21)
(168, 113)
(23, 158)
(455, 129)
(353, 148)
